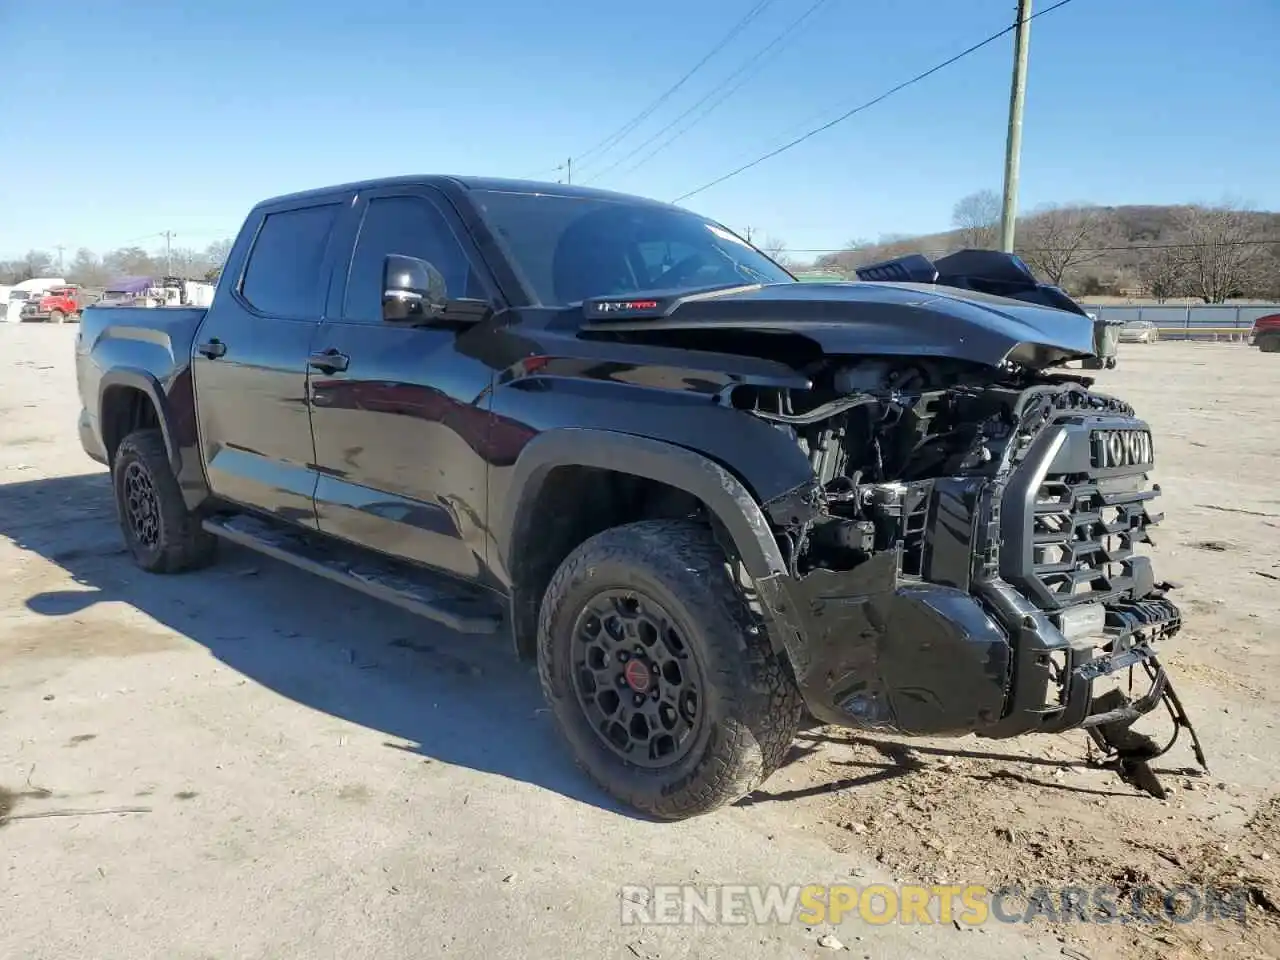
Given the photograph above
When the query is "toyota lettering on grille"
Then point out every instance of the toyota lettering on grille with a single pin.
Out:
(1122, 448)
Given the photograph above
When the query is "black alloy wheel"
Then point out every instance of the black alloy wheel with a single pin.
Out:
(636, 679)
(142, 506)
(659, 675)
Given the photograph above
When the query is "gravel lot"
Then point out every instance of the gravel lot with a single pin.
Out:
(249, 762)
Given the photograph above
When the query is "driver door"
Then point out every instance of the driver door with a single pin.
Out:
(398, 412)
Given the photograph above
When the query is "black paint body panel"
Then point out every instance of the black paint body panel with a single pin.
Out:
(434, 444)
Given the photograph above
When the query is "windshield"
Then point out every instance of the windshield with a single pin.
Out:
(19, 294)
(570, 249)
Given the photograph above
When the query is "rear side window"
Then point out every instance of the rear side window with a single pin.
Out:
(283, 278)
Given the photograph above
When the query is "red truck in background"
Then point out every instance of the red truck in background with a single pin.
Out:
(1266, 333)
(55, 305)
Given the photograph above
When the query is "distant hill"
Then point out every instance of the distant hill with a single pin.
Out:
(1206, 254)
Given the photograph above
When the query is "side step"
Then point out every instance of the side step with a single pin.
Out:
(467, 610)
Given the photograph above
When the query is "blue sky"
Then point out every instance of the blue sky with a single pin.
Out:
(180, 116)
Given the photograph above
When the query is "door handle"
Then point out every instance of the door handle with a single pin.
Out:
(330, 361)
(213, 349)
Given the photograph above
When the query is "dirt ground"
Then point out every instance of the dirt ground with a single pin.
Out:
(245, 762)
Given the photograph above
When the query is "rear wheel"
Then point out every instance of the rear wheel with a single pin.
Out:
(658, 674)
(1270, 344)
(159, 530)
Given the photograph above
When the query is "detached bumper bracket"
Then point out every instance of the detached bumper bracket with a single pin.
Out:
(1114, 662)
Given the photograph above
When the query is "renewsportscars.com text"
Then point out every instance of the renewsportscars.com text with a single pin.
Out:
(969, 904)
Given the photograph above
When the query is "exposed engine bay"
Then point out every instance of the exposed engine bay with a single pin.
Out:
(872, 427)
(880, 433)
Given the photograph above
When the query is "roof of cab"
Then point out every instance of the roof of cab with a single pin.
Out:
(498, 184)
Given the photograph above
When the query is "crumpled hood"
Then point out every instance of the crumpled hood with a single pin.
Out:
(866, 318)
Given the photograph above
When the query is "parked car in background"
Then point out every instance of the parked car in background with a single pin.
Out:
(1139, 331)
(1266, 333)
(20, 293)
(56, 305)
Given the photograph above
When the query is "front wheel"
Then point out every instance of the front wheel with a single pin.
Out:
(1270, 344)
(658, 674)
(159, 530)
(57, 316)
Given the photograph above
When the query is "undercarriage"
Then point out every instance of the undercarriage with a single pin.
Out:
(967, 558)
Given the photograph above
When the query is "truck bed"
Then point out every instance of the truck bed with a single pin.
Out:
(156, 340)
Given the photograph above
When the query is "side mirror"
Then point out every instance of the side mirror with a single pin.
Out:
(412, 290)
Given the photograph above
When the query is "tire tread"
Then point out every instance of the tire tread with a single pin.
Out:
(760, 703)
(185, 544)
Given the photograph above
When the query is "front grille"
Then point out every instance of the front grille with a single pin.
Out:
(1083, 536)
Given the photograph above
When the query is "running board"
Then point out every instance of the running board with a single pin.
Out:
(438, 598)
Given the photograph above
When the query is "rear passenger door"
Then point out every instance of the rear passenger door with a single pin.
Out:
(400, 420)
(250, 363)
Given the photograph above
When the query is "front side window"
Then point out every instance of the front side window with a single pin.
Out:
(283, 276)
(411, 227)
(573, 248)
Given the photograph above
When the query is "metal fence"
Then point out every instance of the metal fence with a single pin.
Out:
(1194, 323)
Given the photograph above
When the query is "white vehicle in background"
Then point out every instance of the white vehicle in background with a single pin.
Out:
(163, 292)
(1139, 331)
(18, 294)
(178, 292)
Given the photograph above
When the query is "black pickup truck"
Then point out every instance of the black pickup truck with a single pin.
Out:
(710, 500)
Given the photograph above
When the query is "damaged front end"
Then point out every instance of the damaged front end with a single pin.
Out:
(966, 557)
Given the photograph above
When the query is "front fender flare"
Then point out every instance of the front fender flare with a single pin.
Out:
(729, 501)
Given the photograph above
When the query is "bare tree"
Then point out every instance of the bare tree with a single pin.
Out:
(776, 249)
(977, 218)
(185, 262)
(217, 252)
(1056, 239)
(129, 262)
(36, 263)
(1224, 253)
(86, 270)
(1163, 273)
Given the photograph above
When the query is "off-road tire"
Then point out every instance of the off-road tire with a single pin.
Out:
(1270, 344)
(57, 316)
(180, 542)
(750, 709)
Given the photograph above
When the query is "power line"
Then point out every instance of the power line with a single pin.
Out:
(864, 106)
(613, 138)
(757, 60)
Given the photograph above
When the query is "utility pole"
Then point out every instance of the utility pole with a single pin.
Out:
(746, 233)
(168, 252)
(567, 167)
(59, 248)
(1013, 146)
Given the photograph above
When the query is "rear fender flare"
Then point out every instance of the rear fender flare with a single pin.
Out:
(141, 380)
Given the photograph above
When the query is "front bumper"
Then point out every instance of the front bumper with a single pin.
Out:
(975, 625)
